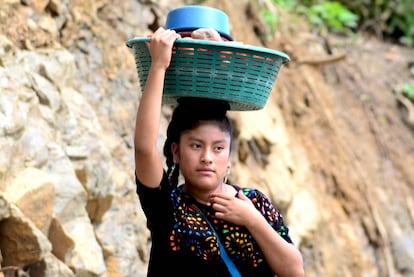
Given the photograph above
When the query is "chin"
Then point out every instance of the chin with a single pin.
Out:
(206, 184)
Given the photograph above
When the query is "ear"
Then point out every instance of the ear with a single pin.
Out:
(174, 151)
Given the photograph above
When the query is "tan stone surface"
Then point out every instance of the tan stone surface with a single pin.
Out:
(34, 194)
(62, 243)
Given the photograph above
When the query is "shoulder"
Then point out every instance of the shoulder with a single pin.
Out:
(261, 201)
(144, 189)
(253, 193)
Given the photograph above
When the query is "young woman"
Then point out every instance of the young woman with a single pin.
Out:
(188, 221)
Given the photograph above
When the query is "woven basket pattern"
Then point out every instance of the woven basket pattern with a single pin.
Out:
(240, 74)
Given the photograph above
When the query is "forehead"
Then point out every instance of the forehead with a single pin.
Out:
(207, 131)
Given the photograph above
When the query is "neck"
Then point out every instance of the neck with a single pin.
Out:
(202, 196)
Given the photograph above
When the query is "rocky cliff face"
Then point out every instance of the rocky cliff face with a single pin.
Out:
(333, 147)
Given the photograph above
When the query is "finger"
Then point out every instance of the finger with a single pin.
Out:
(159, 30)
(165, 36)
(218, 208)
(241, 195)
(172, 34)
(219, 215)
(217, 201)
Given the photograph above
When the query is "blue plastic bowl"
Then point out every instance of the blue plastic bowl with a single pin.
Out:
(189, 18)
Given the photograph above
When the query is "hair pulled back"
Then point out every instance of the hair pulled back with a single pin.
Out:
(189, 114)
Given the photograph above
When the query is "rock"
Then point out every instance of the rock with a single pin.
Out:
(122, 232)
(34, 194)
(12, 116)
(46, 92)
(6, 49)
(48, 24)
(34, 147)
(86, 256)
(20, 240)
(38, 5)
(62, 243)
(51, 266)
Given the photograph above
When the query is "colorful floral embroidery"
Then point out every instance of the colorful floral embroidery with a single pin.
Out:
(192, 232)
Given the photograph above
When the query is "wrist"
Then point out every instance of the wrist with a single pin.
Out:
(255, 221)
(158, 68)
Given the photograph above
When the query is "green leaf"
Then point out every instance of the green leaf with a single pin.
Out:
(408, 91)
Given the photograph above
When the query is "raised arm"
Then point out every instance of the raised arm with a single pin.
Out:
(148, 161)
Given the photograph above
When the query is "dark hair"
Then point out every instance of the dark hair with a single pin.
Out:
(189, 114)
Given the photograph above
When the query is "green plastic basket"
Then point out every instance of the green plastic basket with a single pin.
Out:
(243, 75)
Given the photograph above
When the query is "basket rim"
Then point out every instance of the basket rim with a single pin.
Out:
(226, 45)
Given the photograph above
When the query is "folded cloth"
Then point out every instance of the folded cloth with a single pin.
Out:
(206, 33)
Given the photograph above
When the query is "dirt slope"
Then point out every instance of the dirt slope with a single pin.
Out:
(341, 102)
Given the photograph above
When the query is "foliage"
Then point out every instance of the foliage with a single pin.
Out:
(404, 21)
(386, 18)
(286, 4)
(389, 18)
(408, 91)
(328, 15)
(271, 19)
(333, 15)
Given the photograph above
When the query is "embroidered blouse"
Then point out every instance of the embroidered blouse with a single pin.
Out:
(183, 243)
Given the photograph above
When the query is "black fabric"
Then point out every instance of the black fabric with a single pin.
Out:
(158, 208)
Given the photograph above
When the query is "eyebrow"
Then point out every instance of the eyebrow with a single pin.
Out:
(200, 140)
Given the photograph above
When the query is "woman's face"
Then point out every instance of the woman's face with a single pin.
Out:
(203, 156)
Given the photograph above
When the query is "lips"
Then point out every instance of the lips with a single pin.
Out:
(206, 170)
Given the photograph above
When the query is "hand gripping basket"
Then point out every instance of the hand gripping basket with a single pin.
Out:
(242, 75)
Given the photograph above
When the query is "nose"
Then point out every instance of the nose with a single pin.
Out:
(206, 157)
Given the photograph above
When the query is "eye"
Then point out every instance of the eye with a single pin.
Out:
(195, 145)
(219, 148)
